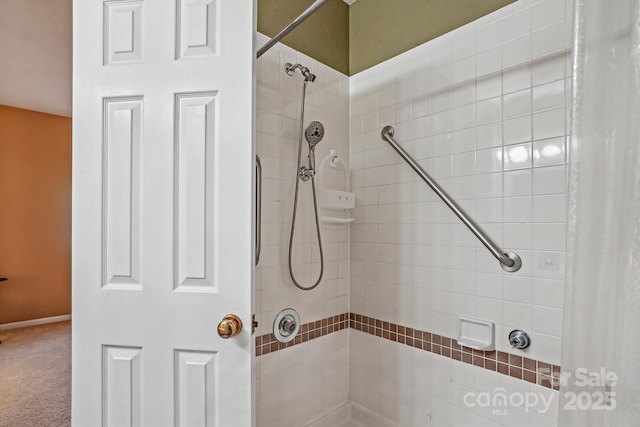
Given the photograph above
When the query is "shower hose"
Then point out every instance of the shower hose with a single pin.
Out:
(295, 201)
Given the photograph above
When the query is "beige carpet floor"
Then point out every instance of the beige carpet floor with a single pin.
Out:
(35, 376)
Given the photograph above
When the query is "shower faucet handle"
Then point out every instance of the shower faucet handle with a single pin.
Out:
(288, 324)
(519, 339)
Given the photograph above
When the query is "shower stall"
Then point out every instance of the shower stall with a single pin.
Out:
(296, 112)
(414, 323)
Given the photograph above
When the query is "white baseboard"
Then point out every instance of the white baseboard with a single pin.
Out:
(347, 412)
(34, 322)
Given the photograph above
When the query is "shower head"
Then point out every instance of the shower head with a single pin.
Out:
(307, 74)
(290, 70)
(314, 134)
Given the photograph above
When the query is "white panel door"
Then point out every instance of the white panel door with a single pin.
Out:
(162, 212)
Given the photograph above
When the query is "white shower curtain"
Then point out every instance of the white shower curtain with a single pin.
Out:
(602, 296)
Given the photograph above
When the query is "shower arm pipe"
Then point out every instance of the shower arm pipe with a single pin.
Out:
(286, 30)
(509, 261)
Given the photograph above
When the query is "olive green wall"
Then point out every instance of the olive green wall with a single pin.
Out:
(382, 29)
(323, 36)
(353, 38)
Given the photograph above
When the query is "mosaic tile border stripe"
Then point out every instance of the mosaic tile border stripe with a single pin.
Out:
(267, 343)
(523, 368)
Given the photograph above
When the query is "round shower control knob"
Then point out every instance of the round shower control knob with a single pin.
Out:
(286, 325)
(519, 339)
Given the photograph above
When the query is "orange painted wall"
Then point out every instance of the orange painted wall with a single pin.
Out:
(35, 215)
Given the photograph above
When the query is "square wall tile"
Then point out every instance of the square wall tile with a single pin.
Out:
(489, 160)
(518, 183)
(489, 135)
(548, 40)
(550, 208)
(549, 152)
(518, 209)
(516, 25)
(517, 104)
(516, 51)
(549, 96)
(517, 156)
(517, 130)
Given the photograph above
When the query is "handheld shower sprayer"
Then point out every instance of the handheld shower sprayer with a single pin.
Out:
(313, 135)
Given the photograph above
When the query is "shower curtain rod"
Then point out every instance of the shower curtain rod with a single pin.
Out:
(509, 261)
(310, 10)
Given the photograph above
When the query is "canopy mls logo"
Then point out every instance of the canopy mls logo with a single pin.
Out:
(590, 390)
(500, 400)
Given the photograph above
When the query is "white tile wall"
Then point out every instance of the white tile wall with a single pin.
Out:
(484, 110)
(297, 384)
(294, 384)
(411, 387)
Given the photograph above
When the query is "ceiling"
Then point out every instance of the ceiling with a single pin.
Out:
(35, 55)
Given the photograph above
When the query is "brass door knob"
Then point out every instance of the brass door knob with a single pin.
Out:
(230, 326)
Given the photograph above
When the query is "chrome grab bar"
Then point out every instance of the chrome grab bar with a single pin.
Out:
(258, 208)
(315, 6)
(509, 261)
